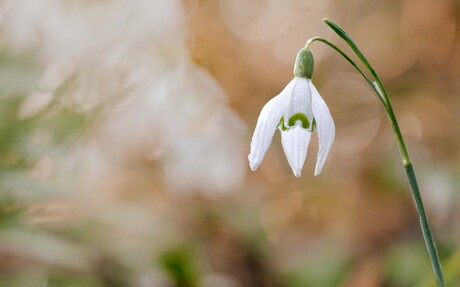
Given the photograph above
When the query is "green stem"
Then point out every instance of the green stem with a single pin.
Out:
(381, 92)
(369, 81)
(425, 225)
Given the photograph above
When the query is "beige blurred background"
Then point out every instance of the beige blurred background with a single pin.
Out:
(125, 127)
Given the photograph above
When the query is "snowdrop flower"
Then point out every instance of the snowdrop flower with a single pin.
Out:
(297, 111)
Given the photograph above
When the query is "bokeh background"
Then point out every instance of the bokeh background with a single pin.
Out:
(125, 127)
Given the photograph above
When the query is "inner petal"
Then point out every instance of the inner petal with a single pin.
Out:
(295, 144)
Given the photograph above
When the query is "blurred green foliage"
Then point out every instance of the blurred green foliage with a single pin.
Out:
(180, 266)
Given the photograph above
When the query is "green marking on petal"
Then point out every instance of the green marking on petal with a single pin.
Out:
(299, 117)
(282, 126)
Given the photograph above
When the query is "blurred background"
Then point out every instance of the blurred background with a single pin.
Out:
(125, 127)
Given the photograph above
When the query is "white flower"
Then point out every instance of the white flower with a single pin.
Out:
(297, 111)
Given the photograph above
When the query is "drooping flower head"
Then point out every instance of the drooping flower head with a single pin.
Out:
(297, 111)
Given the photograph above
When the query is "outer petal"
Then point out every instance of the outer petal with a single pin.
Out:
(324, 126)
(295, 144)
(267, 123)
(300, 100)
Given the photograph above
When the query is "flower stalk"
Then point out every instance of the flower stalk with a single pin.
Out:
(377, 86)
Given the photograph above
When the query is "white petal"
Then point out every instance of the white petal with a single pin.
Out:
(324, 126)
(295, 144)
(300, 100)
(267, 123)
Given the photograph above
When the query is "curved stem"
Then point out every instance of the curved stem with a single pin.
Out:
(344, 35)
(311, 40)
(381, 92)
(369, 81)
